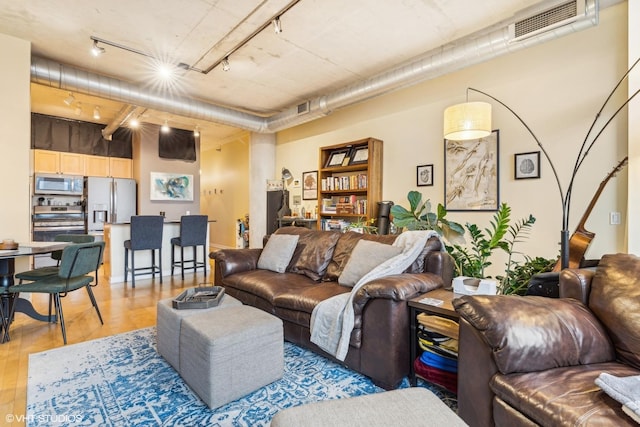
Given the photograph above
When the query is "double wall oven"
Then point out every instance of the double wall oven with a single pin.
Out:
(57, 206)
(49, 221)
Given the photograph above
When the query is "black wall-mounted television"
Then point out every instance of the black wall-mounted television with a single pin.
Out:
(177, 144)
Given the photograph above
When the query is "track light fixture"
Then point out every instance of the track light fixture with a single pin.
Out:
(277, 25)
(78, 109)
(224, 61)
(134, 123)
(96, 112)
(69, 100)
(165, 127)
(96, 50)
(196, 132)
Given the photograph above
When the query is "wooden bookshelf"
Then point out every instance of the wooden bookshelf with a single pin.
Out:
(349, 182)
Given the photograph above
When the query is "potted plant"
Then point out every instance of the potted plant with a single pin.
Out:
(472, 261)
(420, 217)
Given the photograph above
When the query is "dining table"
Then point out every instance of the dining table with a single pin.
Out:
(7, 271)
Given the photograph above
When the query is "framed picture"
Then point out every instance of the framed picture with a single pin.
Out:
(171, 186)
(471, 174)
(310, 185)
(527, 165)
(337, 157)
(359, 155)
(424, 175)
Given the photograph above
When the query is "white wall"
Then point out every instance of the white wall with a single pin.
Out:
(15, 140)
(556, 87)
(633, 228)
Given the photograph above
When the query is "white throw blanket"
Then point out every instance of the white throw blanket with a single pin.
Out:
(625, 390)
(332, 320)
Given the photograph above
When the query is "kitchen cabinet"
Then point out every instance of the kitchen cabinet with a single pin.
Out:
(46, 161)
(96, 166)
(350, 181)
(120, 167)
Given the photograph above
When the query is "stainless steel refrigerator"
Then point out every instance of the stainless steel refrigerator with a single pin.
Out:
(108, 200)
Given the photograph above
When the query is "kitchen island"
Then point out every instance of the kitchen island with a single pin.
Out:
(116, 234)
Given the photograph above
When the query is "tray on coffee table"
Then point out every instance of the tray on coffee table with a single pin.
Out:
(199, 297)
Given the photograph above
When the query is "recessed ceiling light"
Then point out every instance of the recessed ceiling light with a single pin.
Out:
(165, 127)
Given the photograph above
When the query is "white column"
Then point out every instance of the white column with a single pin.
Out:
(262, 160)
(15, 140)
(633, 209)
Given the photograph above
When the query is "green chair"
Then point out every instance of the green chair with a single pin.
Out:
(78, 261)
(42, 272)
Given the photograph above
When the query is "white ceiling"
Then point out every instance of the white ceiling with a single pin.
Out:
(325, 45)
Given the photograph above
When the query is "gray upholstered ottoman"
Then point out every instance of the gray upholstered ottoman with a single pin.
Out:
(226, 354)
(415, 406)
(168, 325)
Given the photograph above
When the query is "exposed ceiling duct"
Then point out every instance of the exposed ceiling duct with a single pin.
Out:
(470, 50)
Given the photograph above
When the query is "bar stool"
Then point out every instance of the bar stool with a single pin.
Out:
(193, 232)
(146, 234)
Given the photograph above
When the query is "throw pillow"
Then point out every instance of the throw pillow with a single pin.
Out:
(317, 250)
(278, 252)
(344, 248)
(365, 257)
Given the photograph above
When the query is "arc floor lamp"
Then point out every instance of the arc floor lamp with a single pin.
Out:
(472, 120)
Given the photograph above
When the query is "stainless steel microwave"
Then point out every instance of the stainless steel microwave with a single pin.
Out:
(71, 185)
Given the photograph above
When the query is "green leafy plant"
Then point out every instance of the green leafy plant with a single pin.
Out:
(473, 260)
(518, 276)
(420, 217)
(363, 225)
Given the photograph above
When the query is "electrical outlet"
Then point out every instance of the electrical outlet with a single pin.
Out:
(614, 218)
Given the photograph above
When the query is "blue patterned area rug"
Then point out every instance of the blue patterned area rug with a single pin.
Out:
(121, 380)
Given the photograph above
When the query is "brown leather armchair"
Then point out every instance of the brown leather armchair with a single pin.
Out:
(532, 360)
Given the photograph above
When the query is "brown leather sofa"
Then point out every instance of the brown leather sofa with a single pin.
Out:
(379, 346)
(526, 361)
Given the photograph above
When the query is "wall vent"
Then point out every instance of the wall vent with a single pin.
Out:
(304, 108)
(549, 19)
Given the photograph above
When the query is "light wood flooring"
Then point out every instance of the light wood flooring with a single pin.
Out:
(123, 309)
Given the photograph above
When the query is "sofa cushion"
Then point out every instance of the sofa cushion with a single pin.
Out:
(315, 251)
(345, 246)
(532, 333)
(615, 300)
(364, 258)
(277, 253)
(562, 396)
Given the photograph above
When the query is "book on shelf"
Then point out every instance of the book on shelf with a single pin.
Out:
(344, 182)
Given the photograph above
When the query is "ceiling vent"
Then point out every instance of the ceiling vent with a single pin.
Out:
(303, 108)
(547, 20)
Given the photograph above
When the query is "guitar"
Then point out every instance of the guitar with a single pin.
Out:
(581, 238)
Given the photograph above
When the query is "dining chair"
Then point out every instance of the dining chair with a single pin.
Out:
(52, 270)
(146, 234)
(78, 261)
(193, 233)
(4, 322)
